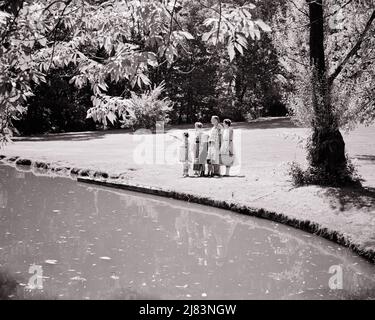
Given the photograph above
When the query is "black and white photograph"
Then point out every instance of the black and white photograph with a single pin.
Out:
(187, 155)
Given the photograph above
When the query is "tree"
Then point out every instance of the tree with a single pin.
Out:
(327, 150)
(258, 91)
(136, 36)
(195, 98)
(325, 68)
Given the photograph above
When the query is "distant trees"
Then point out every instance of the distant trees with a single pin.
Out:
(111, 42)
(56, 106)
(243, 86)
(257, 86)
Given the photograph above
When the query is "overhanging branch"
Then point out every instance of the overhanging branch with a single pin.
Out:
(353, 51)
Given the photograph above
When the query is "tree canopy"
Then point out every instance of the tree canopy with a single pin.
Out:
(349, 45)
(234, 58)
(108, 42)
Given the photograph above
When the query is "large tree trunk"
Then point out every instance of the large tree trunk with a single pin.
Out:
(327, 149)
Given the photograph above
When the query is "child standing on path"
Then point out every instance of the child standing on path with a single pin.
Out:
(199, 150)
(184, 154)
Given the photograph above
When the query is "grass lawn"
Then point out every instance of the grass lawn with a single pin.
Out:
(266, 147)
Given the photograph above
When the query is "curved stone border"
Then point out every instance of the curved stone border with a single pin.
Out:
(114, 181)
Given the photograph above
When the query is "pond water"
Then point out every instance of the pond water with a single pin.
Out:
(89, 242)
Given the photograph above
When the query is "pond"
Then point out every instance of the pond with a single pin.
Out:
(60, 239)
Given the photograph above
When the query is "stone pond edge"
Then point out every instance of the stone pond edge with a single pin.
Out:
(114, 181)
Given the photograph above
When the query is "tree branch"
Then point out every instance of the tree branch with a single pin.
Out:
(340, 8)
(219, 24)
(171, 22)
(299, 9)
(51, 4)
(8, 29)
(353, 51)
(67, 2)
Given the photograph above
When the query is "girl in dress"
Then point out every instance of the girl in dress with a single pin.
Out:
(199, 150)
(226, 150)
(214, 144)
(184, 154)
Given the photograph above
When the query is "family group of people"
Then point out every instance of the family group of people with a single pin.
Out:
(208, 152)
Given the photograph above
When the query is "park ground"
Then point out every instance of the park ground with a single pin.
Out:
(267, 146)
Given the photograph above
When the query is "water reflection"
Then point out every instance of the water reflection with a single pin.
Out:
(98, 243)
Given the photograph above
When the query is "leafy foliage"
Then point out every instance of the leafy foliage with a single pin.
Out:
(233, 25)
(133, 37)
(348, 176)
(149, 107)
(319, 172)
(57, 106)
(352, 91)
(138, 111)
(322, 67)
(256, 81)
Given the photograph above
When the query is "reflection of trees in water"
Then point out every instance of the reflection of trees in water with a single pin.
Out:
(57, 238)
(206, 239)
(192, 243)
(3, 197)
(95, 202)
(296, 256)
(11, 289)
(293, 255)
(141, 206)
(8, 285)
(301, 260)
(223, 230)
(182, 225)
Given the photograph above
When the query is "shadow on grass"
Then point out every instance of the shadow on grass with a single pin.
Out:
(262, 123)
(347, 198)
(72, 136)
(216, 177)
(365, 157)
(266, 123)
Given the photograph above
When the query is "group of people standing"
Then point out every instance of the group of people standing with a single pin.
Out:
(208, 152)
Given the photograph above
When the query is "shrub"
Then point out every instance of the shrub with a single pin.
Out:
(138, 111)
(149, 107)
(297, 174)
(347, 176)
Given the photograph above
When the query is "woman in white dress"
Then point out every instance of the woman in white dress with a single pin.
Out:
(214, 144)
(226, 150)
(199, 150)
